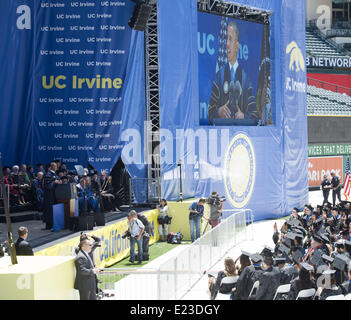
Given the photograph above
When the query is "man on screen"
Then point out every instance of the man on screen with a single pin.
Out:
(231, 95)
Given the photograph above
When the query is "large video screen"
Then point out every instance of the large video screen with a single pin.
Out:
(234, 72)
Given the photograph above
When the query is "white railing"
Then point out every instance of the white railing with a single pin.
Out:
(177, 275)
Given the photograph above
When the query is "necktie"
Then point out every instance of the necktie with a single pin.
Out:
(232, 75)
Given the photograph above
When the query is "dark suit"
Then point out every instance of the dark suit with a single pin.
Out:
(85, 280)
(269, 282)
(23, 248)
(220, 94)
(49, 197)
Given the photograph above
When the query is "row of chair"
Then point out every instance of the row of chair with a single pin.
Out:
(282, 289)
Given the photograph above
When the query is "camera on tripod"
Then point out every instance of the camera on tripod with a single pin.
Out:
(215, 200)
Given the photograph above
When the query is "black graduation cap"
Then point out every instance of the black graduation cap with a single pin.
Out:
(340, 262)
(267, 251)
(324, 238)
(291, 235)
(287, 242)
(339, 244)
(290, 222)
(284, 249)
(322, 268)
(329, 272)
(348, 245)
(306, 266)
(245, 253)
(279, 260)
(345, 232)
(297, 256)
(316, 258)
(256, 257)
(327, 258)
(316, 238)
(302, 229)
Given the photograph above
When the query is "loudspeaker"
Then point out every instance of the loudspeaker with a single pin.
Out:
(66, 191)
(99, 219)
(140, 16)
(81, 223)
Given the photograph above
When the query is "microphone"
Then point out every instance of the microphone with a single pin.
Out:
(235, 92)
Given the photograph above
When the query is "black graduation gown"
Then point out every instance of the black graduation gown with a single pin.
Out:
(269, 282)
(297, 286)
(329, 292)
(49, 197)
(247, 278)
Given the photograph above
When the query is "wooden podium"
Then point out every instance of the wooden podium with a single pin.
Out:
(69, 208)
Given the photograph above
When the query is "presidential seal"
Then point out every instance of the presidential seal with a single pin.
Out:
(239, 170)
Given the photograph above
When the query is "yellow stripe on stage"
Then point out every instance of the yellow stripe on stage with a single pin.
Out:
(113, 248)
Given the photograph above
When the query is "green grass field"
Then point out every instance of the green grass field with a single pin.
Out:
(156, 250)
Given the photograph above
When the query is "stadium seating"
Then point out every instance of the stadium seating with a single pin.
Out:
(317, 47)
(324, 102)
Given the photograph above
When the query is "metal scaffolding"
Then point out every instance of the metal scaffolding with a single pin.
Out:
(152, 127)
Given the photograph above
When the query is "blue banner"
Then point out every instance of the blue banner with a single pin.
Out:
(263, 168)
(72, 72)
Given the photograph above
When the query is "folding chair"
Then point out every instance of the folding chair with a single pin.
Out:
(285, 288)
(255, 286)
(226, 280)
(337, 297)
(305, 294)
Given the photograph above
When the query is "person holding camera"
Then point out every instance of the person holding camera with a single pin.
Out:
(196, 212)
(136, 230)
(163, 220)
(216, 209)
(86, 281)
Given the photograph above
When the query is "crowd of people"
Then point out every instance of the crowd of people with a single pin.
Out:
(27, 185)
(312, 251)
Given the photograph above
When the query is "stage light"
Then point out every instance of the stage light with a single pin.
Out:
(140, 16)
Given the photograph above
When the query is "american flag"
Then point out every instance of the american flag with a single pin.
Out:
(222, 45)
(347, 180)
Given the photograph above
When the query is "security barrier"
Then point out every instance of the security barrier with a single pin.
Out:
(176, 276)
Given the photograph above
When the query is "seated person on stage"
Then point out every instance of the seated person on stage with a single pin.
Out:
(17, 182)
(25, 183)
(38, 189)
(107, 196)
(215, 284)
(84, 189)
(14, 193)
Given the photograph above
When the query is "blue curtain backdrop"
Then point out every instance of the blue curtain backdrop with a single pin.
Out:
(33, 129)
(42, 121)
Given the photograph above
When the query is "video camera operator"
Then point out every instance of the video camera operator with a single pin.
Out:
(196, 212)
(216, 208)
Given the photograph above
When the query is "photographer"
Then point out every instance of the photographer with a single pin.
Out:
(196, 211)
(163, 220)
(216, 205)
(136, 230)
(146, 235)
